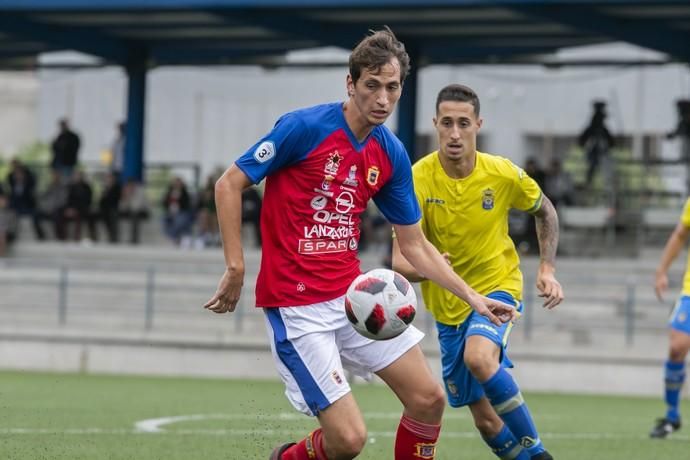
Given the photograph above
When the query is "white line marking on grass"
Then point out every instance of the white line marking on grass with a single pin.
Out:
(283, 433)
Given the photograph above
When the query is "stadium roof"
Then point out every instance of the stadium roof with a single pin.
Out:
(207, 32)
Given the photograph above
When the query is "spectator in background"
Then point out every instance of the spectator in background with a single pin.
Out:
(22, 195)
(6, 222)
(78, 208)
(109, 206)
(207, 219)
(596, 140)
(534, 171)
(178, 217)
(118, 150)
(530, 242)
(251, 212)
(65, 149)
(52, 202)
(134, 206)
(558, 185)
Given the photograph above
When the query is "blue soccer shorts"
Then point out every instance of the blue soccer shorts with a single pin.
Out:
(461, 387)
(680, 316)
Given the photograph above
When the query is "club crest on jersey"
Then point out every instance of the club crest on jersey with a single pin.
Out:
(488, 199)
(333, 163)
(452, 388)
(351, 177)
(373, 175)
(336, 377)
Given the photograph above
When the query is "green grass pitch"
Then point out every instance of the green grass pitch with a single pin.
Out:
(70, 416)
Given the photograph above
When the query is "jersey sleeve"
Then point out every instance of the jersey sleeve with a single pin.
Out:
(396, 200)
(527, 196)
(685, 218)
(277, 149)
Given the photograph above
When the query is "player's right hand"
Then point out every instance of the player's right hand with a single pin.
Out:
(227, 294)
(660, 285)
(496, 311)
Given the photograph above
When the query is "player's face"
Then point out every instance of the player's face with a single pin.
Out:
(457, 127)
(376, 92)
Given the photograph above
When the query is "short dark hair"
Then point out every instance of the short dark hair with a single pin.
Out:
(458, 93)
(375, 51)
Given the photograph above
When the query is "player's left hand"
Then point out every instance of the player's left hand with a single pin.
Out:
(496, 311)
(227, 294)
(548, 286)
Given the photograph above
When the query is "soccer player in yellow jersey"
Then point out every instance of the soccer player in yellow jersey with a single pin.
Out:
(679, 327)
(465, 196)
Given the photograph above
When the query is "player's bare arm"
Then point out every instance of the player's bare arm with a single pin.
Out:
(676, 242)
(547, 233)
(430, 264)
(402, 266)
(228, 193)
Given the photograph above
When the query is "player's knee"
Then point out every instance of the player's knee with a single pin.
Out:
(349, 442)
(488, 427)
(428, 405)
(481, 365)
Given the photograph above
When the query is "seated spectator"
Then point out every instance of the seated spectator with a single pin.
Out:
(109, 206)
(251, 211)
(207, 220)
(558, 185)
(78, 208)
(178, 217)
(52, 202)
(133, 206)
(22, 195)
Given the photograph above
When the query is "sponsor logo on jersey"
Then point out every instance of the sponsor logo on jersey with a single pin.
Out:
(322, 246)
(488, 199)
(435, 201)
(353, 244)
(333, 163)
(351, 179)
(345, 202)
(373, 175)
(323, 192)
(319, 202)
(265, 151)
(327, 181)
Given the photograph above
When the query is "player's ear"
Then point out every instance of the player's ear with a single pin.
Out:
(350, 85)
(479, 123)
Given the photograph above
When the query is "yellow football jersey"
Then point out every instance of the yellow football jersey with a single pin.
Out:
(468, 218)
(685, 220)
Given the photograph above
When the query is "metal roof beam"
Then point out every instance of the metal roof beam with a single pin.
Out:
(90, 42)
(635, 31)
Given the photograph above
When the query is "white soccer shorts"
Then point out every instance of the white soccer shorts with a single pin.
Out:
(313, 344)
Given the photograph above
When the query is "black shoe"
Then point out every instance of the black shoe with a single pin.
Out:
(663, 428)
(542, 456)
(278, 451)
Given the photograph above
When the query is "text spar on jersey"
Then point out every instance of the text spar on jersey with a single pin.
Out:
(334, 219)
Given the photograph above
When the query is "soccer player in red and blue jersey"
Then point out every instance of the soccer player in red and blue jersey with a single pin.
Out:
(322, 165)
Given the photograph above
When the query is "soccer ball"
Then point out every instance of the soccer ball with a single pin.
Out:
(380, 304)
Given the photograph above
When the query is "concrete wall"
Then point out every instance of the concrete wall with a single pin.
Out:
(18, 109)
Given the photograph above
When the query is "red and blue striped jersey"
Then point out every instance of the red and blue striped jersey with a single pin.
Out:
(319, 179)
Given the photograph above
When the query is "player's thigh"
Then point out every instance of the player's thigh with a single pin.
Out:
(412, 381)
(308, 364)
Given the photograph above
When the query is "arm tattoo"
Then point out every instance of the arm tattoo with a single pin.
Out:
(547, 231)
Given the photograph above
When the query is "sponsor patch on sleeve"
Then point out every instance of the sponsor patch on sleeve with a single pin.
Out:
(264, 152)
